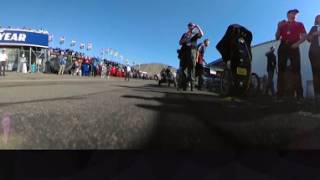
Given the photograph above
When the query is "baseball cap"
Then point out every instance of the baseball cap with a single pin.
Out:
(296, 11)
(191, 25)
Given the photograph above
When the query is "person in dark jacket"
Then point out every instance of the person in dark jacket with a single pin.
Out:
(314, 55)
(271, 67)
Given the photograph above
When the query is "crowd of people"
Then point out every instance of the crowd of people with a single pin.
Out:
(81, 65)
(287, 63)
(291, 35)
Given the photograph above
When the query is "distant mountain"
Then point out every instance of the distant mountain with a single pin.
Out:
(153, 68)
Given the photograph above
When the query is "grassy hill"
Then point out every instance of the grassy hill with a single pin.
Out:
(153, 68)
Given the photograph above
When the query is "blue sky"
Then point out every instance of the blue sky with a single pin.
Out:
(147, 31)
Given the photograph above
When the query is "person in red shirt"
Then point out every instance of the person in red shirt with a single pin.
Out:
(291, 34)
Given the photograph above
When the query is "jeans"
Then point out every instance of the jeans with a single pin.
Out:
(62, 68)
(188, 68)
(315, 64)
(286, 53)
(199, 75)
(270, 84)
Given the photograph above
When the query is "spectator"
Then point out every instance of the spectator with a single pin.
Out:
(3, 62)
(271, 67)
(62, 63)
(314, 55)
(188, 60)
(23, 64)
(128, 71)
(200, 62)
(291, 34)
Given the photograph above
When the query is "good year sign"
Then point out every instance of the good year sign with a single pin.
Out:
(23, 38)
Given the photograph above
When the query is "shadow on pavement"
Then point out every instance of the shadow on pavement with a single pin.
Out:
(202, 121)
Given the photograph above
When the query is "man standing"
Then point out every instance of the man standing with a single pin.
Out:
(200, 60)
(3, 62)
(291, 34)
(271, 67)
(188, 60)
(62, 63)
(128, 70)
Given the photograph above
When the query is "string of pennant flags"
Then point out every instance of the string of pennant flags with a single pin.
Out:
(109, 52)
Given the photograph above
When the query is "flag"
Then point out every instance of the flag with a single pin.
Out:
(89, 46)
(111, 52)
(73, 43)
(116, 54)
(50, 38)
(82, 46)
(62, 39)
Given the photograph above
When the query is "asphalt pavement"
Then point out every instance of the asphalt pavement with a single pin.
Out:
(67, 112)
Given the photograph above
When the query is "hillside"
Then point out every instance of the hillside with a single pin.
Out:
(152, 68)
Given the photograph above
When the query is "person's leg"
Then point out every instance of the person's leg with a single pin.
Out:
(269, 81)
(193, 67)
(313, 62)
(60, 67)
(200, 77)
(296, 71)
(0, 68)
(184, 71)
(63, 69)
(4, 68)
(282, 63)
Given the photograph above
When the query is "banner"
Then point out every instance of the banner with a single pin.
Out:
(23, 38)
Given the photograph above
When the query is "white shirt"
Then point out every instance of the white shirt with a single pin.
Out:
(23, 59)
(3, 57)
(128, 68)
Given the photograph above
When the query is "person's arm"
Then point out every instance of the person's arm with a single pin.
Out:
(278, 33)
(313, 33)
(183, 39)
(303, 37)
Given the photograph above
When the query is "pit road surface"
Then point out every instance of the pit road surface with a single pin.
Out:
(53, 112)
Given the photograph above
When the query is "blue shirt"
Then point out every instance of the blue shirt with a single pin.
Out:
(62, 61)
(202, 49)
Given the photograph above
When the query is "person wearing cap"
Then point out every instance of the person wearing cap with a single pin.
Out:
(188, 55)
(271, 67)
(3, 62)
(200, 62)
(314, 55)
(291, 34)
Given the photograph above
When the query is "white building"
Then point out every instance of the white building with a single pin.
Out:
(260, 63)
